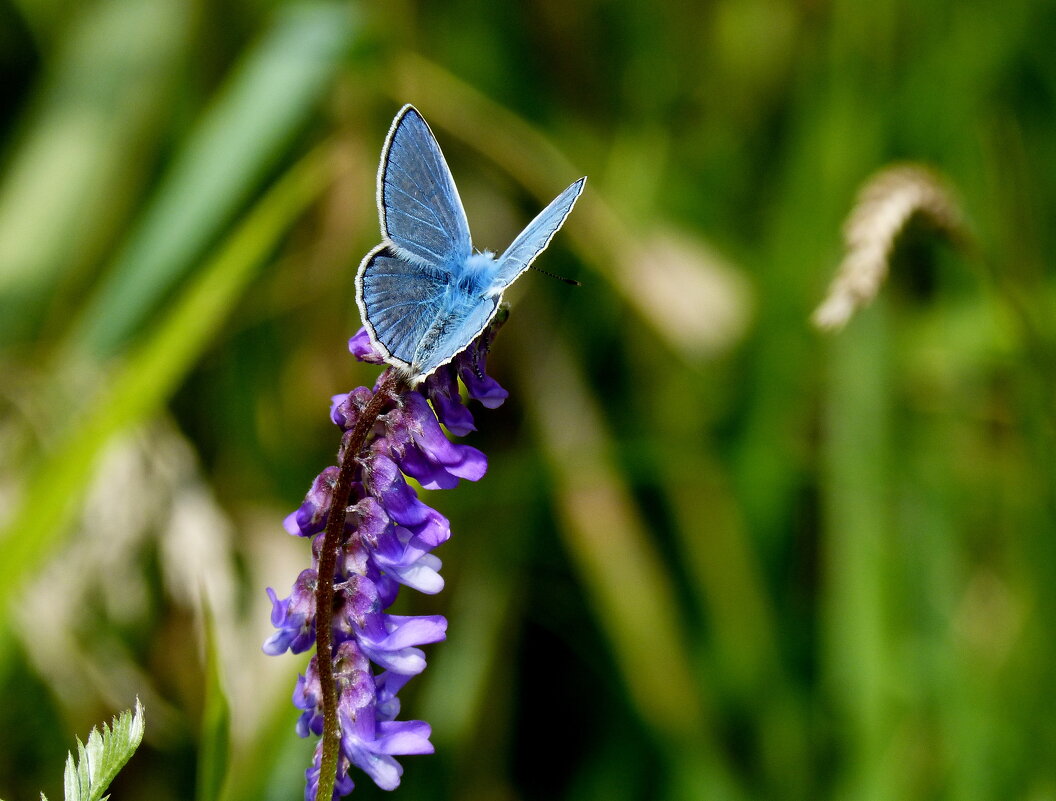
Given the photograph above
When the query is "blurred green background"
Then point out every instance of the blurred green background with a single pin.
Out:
(717, 555)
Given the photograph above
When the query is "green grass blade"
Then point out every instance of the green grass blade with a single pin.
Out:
(151, 373)
(621, 570)
(108, 83)
(858, 530)
(266, 101)
(214, 751)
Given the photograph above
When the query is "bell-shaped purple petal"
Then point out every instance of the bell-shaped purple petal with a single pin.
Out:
(310, 517)
(373, 751)
(382, 768)
(422, 574)
(345, 409)
(483, 388)
(432, 459)
(390, 640)
(387, 586)
(401, 737)
(408, 630)
(426, 432)
(407, 660)
(434, 530)
(361, 347)
(427, 473)
(386, 483)
(442, 390)
(387, 685)
(405, 557)
(469, 463)
(294, 616)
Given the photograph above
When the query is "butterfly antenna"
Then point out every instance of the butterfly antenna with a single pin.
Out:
(571, 281)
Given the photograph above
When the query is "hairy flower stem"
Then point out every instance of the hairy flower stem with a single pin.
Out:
(324, 591)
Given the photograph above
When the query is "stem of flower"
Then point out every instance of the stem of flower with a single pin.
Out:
(324, 591)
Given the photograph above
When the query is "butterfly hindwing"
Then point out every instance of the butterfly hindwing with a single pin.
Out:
(536, 236)
(452, 331)
(421, 212)
(399, 301)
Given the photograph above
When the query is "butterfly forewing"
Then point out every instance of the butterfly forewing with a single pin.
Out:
(536, 236)
(399, 301)
(421, 213)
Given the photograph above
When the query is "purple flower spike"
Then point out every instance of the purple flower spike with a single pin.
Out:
(385, 542)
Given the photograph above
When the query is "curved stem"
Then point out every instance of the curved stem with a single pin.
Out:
(324, 591)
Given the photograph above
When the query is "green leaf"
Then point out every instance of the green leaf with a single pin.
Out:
(107, 752)
(214, 751)
(266, 101)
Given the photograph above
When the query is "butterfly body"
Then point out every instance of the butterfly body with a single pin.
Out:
(423, 293)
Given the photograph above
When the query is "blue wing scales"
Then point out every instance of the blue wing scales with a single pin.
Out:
(452, 331)
(399, 301)
(535, 237)
(421, 212)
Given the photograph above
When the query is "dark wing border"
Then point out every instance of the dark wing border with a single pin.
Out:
(395, 361)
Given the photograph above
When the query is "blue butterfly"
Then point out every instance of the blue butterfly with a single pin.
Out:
(423, 293)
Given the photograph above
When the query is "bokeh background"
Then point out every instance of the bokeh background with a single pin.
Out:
(718, 554)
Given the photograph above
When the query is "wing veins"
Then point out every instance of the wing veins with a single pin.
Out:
(417, 200)
(394, 164)
(398, 275)
(392, 306)
(394, 323)
(417, 186)
(418, 219)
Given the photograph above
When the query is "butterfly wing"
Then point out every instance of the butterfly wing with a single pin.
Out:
(535, 237)
(452, 331)
(403, 286)
(421, 212)
(399, 301)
